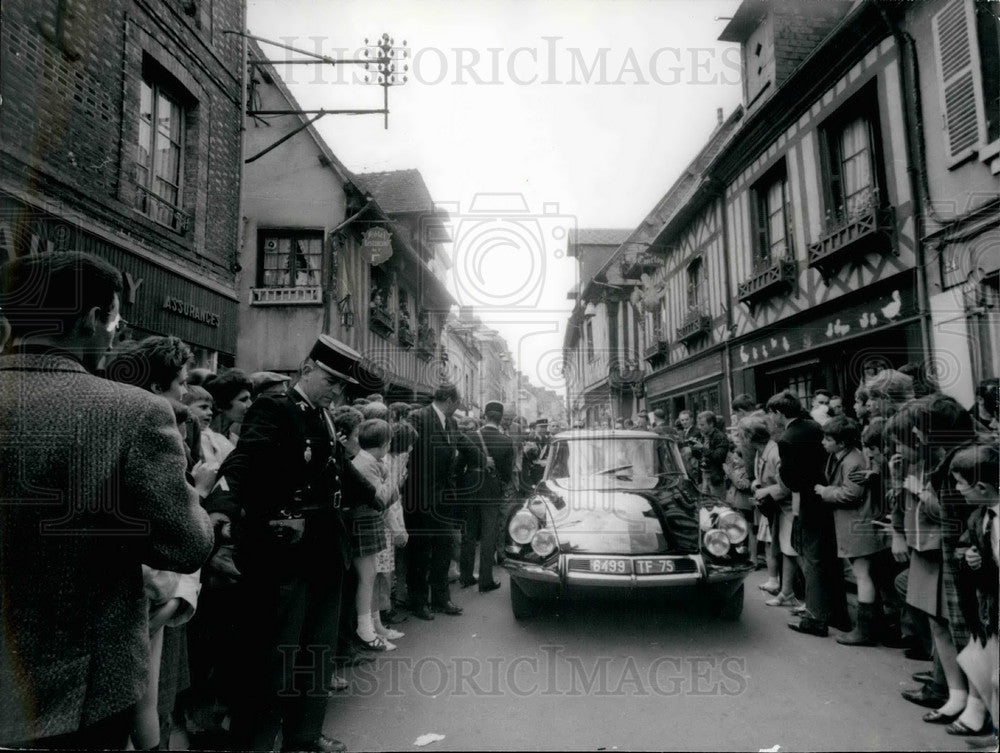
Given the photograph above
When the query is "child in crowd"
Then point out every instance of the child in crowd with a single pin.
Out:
(373, 437)
(857, 538)
(976, 470)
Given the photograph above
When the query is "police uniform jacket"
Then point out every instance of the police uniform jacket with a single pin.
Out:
(287, 463)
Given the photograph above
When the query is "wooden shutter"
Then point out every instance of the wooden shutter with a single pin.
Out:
(959, 80)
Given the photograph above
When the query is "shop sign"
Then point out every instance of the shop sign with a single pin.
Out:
(871, 314)
(155, 297)
(189, 310)
(376, 246)
(685, 374)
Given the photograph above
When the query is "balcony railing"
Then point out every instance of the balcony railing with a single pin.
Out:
(696, 324)
(380, 320)
(161, 210)
(301, 296)
(866, 228)
(770, 277)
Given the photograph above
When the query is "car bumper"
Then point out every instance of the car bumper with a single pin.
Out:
(559, 579)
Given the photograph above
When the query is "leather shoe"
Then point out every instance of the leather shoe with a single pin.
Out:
(924, 696)
(421, 612)
(487, 587)
(936, 717)
(809, 626)
(466, 582)
(447, 608)
(924, 677)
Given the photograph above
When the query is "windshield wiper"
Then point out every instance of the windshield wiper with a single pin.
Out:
(609, 471)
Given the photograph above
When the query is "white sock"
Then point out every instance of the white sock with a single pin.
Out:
(366, 631)
(956, 701)
(974, 714)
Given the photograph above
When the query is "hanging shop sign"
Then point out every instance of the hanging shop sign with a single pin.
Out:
(376, 246)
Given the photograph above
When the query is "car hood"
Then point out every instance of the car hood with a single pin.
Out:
(616, 521)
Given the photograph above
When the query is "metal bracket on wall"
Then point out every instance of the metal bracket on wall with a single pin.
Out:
(383, 63)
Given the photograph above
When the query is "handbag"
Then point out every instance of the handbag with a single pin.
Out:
(796, 534)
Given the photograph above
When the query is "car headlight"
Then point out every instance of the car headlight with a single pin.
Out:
(735, 527)
(522, 527)
(717, 543)
(537, 507)
(543, 543)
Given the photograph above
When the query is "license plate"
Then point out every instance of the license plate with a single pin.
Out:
(610, 567)
(657, 566)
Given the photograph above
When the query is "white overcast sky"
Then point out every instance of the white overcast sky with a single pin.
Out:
(588, 109)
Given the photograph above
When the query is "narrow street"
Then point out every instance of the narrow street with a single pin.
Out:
(672, 679)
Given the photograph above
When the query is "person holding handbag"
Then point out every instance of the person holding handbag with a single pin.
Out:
(774, 501)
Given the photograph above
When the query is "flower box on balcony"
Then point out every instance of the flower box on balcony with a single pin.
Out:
(695, 326)
(300, 296)
(868, 229)
(406, 336)
(769, 279)
(380, 321)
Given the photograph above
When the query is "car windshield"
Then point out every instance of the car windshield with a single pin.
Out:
(600, 462)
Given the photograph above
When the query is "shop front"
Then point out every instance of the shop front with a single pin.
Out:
(694, 385)
(835, 347)
(157, 299)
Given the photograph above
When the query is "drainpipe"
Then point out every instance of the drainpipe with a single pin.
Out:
(720, 193)
(909, 84)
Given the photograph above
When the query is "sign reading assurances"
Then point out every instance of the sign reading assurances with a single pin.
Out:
(376, 246)
(177, 306)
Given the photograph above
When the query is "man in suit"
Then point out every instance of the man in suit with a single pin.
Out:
(710, 447)
(285, 488)
(803, 466)
(536, 452)
(490, 472)
(429, 509)
(93, 487)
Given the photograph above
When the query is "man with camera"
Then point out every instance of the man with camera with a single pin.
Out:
(282, 486)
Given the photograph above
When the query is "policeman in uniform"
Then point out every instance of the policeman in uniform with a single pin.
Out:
(282, 486)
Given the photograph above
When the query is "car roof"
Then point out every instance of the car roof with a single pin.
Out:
(607, 434)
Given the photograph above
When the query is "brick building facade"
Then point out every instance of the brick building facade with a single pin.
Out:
(120, 134)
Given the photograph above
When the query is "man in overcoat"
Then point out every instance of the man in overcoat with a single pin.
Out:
(282, 486)
(92, 486)
(491, 473)
(429, 507)
(803, 465)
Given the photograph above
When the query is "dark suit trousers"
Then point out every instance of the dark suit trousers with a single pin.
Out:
(428, 555)
(480, 524)
(826, 598)
(291, 633)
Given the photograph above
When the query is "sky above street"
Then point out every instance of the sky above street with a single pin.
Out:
(525, 119)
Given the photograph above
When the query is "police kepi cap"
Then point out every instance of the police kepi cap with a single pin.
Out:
(494, 406)
(335, 357)
(540, 422)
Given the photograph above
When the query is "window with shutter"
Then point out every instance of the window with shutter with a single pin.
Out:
(957, 49)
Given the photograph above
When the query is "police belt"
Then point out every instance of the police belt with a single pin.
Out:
(304, 511)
